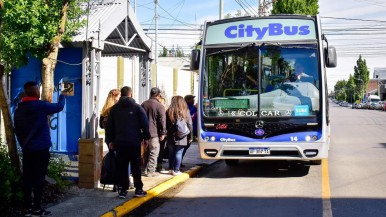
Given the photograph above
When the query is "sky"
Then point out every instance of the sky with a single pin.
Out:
(353, 27)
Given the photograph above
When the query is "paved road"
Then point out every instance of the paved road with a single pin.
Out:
(352, 182)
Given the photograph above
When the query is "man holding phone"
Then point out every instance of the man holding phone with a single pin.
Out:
(33, 134)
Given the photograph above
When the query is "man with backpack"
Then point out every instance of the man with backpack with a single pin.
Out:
(127, 125)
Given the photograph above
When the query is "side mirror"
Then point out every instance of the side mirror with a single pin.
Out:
(330, 57)
(195, 59)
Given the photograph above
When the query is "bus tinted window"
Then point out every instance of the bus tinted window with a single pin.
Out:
(267, 81)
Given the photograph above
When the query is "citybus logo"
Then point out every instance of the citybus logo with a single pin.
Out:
(273, 29)
(227, 140)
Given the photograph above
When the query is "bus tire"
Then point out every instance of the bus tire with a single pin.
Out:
(315, 162)
(231, 163)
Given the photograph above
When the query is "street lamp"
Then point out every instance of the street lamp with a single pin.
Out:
(363, 83)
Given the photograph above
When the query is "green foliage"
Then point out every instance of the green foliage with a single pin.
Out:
(56, 170)
(305, 7)
(164, 52)
(10, 183)
(362, 75)
(340, 90)
(29, 27)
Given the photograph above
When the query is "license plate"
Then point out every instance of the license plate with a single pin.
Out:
(259, 151)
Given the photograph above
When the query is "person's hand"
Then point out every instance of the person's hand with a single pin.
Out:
(161, 138)
(190, 141)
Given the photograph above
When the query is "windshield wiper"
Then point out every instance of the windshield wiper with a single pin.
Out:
(276, 44)
(234, 49)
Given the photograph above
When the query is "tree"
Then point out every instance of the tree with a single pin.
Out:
(164, 52)
(361, 76)
(350, 89)
(305, 7)
(33, 28)
(340, 90)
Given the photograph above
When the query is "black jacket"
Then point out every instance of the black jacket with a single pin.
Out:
(127, 123)
(155, 111)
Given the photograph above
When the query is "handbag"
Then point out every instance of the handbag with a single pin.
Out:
(182, 129)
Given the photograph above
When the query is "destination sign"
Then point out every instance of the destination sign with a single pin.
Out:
(232, 103)
(261, 30)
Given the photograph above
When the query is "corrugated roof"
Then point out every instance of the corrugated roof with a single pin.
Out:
(108, 17)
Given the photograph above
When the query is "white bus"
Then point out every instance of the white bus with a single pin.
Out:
(263, 89)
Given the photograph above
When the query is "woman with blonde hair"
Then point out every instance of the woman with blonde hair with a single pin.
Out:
(112, 98)
(177, 112)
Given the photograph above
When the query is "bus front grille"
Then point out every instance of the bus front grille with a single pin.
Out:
(274, 153)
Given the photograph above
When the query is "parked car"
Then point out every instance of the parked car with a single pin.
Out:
(379, 105)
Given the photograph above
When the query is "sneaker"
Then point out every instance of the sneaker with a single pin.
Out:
(40, 212)
(176, 173)
(171, 172)
(122, 194)
(140, 193)
(164, 171)
(153, 174)
(131, 186)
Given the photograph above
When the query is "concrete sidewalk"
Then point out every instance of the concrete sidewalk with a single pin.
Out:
(98, 202)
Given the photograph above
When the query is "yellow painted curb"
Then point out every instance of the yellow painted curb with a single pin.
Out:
(130, 205)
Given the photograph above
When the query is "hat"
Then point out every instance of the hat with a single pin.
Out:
(155, 91)
(188, 97)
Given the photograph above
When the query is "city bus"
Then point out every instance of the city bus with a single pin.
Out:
(263, 89)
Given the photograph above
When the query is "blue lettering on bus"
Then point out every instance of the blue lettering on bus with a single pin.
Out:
(273, 29)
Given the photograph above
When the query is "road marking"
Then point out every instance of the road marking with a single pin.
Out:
(326, 193)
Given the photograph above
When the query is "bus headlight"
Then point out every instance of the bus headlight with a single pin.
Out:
(212, 138)
(308, 138)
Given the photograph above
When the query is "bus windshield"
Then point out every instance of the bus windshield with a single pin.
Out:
(261, 81)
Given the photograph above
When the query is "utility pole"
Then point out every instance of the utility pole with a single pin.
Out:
(260, 10)
(156, 32)
(220, 10)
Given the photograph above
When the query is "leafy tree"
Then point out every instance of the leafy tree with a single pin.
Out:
(164, 52)
(350, 89)
(340, 90)
(361, 76)
(305, 7)
(34, 28)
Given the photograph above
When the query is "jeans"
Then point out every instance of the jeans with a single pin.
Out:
(185, 149)
(175, 156)
(34, 171)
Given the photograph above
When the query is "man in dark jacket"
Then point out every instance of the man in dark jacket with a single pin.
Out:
(127, 125)
(33, 134)
(155, 112)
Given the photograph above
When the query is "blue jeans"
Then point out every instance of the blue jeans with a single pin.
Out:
(175, 156)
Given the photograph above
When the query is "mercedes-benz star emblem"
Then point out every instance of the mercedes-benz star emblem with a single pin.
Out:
(259, 124)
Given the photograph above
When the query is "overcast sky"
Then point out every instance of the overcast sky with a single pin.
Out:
(354, 27)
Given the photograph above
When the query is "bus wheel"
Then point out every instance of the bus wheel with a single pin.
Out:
(315, 162)
(231, 163)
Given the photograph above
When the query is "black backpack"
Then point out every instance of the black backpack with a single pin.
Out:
(182, 129)
(109, 169)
